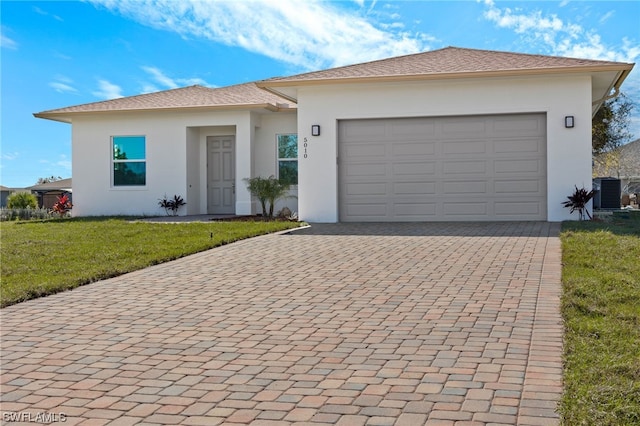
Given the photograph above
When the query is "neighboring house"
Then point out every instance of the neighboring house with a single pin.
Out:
(4, 194)
(49, 192)
(451, 134)
(622, 163)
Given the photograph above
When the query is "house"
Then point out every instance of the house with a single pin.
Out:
(446, 135)
(49, 192)
(4, 194)
(622, 163)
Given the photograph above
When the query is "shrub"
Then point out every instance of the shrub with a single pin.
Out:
(24, 214)
(267, 190)
(578, 201)
(63, 205)
(171, 206)
(22, 200)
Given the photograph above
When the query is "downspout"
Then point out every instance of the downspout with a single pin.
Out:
(616, 87)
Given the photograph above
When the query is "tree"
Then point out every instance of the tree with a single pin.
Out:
(48, 179)
(22, 200)
(610, 125)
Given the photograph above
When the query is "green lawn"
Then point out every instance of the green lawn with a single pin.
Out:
(601, 309)
(45, 257)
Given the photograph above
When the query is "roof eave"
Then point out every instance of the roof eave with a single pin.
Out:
(615, 86)
(66, 116)
(270, 84)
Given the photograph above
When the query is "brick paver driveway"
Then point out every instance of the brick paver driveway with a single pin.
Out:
(397, 324)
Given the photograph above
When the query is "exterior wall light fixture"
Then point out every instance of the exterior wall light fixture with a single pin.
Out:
(315, 130)
(568, 121)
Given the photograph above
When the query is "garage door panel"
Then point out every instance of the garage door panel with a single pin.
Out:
(463, 126)
(363, 133)
(420, 130)
(414, 169)
(367, 211)
(465, 187)
(509, 146)
(520, 186)
(415, 210)
(375, 169)
(478, 208)
(414, 188)
(464, 167)
(517, 166)
(522, 125)
(441, 169)
(366, 151)
(367, 188)
(464, 147)
(515, 207)
(413, 149)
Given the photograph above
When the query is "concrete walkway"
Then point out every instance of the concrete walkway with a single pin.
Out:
(398, 324)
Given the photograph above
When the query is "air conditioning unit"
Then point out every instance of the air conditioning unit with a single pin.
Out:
(607, 193)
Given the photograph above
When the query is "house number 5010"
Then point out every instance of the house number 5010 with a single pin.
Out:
(304, 145)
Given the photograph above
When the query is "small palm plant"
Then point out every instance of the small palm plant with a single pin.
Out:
(578, 201)
(267, 190)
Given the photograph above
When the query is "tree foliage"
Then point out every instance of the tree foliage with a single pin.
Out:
(22, 200)
(48, 179)
(267, 191)
(610, 125)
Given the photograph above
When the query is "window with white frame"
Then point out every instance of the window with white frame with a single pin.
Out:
(288, 158)
(129, 161)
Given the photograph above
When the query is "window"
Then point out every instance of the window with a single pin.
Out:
(288, 158)
(129, 160)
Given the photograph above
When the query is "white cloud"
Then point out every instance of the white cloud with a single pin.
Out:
(61, 55)
(6, 42)
(555, 36)
(62, 84)
(9, 156)
(107, 90)
(310, 34)
(63, 162)
(160, 77)
(606, 16)
(61, 87)
(166, 82)
(560, 37)
(45, 13)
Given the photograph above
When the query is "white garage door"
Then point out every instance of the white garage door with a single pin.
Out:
(443, 169)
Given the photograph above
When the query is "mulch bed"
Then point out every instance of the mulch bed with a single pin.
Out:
(252, 218)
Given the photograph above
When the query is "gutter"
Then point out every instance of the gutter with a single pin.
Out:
(66, 116)
(622, 75)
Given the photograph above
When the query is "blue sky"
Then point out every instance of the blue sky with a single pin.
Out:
(56, 54)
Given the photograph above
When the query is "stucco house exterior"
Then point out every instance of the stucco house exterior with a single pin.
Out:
(447, 135)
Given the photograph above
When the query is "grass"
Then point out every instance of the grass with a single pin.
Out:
(46, 257)
(601, 310)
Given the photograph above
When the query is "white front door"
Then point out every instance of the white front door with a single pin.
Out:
(221, 176)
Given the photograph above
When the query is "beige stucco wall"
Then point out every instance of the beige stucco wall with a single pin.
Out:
(568, 150)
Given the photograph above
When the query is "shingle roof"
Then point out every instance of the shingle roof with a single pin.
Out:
(61, 184)
(443, 63)
(240, 95)
(446, 61)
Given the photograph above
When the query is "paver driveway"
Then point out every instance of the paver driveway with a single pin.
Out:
(403, 324)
